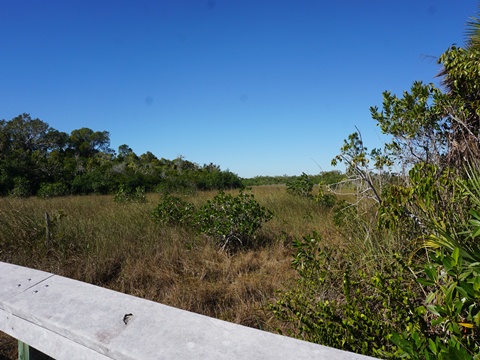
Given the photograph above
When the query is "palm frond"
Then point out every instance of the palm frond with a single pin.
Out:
(472, 33)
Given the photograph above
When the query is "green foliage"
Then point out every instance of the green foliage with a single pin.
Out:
(34, 155)
(350, 310)
(174, 211)
(430, 197)
(326, 177)
(22, 187)
(461, 78)
(175, 183)
(453, 305)
(210, 178)
(452, 280)
(97, 181)
(325, 199)
(301, 186)
(232, 221)
(52, 189)
(330, 177)
(415, 122)
(431, 126)
(85, 142)
(125, 194)
(357, 160)
(345, 215)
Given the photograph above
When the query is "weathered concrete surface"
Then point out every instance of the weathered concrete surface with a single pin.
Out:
(90, 321)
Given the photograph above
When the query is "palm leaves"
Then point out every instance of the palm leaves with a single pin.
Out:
(472, 40)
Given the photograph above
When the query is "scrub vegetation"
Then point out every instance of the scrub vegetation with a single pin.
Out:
(405, 281)
(377, 261)
(125, 247)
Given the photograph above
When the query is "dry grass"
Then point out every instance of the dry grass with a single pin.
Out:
(119, 247)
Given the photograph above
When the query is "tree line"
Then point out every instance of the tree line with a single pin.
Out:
(36, 159)
(324, 177)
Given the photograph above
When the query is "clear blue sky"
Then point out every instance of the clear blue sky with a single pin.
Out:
(264, 87)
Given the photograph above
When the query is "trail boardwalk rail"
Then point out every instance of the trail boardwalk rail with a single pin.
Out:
(69, 319)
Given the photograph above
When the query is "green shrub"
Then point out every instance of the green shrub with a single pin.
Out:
(52, 190)
(22, 187)
(349, 310)
(452, 281)
(327, 200)
(344, 215)
(232, 221)
(301, 186)
(174, 211)
(125, 194)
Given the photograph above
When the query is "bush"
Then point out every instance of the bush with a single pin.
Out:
(452, 306)
(125, 194)
(232, 221)
(52, 190)
(174, 211)
(22, 187)
(301, 186)
(346, 309)
(210, 180)
(327, 200)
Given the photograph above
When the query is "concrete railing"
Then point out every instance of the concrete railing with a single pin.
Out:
(69, 319)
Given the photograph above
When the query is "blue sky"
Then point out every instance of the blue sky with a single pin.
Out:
(265, 87)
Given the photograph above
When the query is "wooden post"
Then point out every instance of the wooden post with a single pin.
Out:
(47, 230)
(26, 352)
(23, 351)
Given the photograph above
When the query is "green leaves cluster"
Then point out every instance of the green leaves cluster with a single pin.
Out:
(350, 310)
(417, 123)
(326, 177)
(301, 186)
(128, 195)
(173, 211)
(429, 198)
(358, 162)
(48, 190)
(232, 222)
(453, 305)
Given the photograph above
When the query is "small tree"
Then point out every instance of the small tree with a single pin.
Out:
(366, 179)
(232, 221)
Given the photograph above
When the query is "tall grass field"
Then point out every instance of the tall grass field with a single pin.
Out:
(118, 246)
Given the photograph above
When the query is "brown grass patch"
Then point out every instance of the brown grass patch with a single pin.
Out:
(118, 246)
